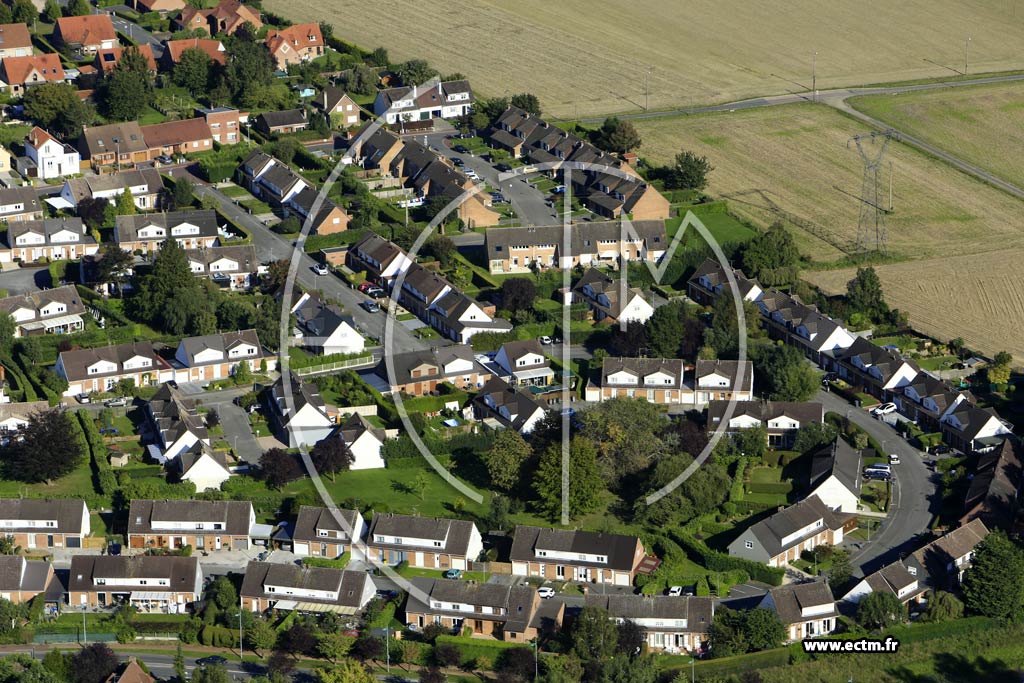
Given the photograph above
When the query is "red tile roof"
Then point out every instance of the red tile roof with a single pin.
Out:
(297, 37)
(108, 59)
(92, 29)
(17, 70)
(13, 36)
(176, 132)
(213, 48)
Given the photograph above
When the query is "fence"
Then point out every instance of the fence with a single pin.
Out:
(361, 361)
(74, 638)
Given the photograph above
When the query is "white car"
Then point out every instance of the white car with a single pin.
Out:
(675, 591)
(546, 592)
(320, 269)
(472, 175)
(894, 459)
(545, 340)
(884, 409)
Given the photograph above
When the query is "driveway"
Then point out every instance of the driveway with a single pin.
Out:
(237, 430)
(22, 280)
(914, 498)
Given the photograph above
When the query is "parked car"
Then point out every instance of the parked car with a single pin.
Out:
(370, 306)
(879, 475)
(453, 574)
(894, 459)
(320, 269)
(221, 277)
(212, 660)
(471, 174)
(884, 409)
(545, 340)
(558, 189)
(503, 167)
(829, 377)
(117, 402)
(941, 449)
(458, 161)
(461, 149)
(165, 159)
(546, 592)
(109, 431)
(363, 287)
(675, 591)
(376, 292)
(498, 198)
(83, 398)
(879, 467)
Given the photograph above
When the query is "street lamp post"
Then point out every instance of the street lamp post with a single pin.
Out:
(967, 45)
(240, 652)
(85, 634)
(814, 77)
(535, 666)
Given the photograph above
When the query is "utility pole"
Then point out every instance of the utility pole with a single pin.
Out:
(240, 653)
(890, 187)
(387, 646)
(85, 634)
(814, 77)
(647, 90)
(967, 46)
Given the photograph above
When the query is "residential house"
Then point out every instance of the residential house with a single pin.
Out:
(326, 329)
(193, 229)
(658, 380)
(281, 122)
(316, 590)
(507, 407)
(6, 160)
(970, 429)
(114, 144)
(377, 150)
(418, 373)
(818, 337)
(723, 380)
(779, 539)
(225, 18)
(166, 583)
(131, 671)
(234, 267)
(50, 157)
(893, 578)
(47, 311)
(16, 416)
(327, 217)
(524, 363)
(301, 413)
(326, 532)
(161, 6)
(15, 40)
(941, 564)
(670, 624)
(269, 179)
(20, 204)
(102, 368)
(19, 73)
(607, 185)
(364, 441)
(458, 316)
(926, 399)
(174, 49)
(436, 100)
(22, 580)
(86, 34)
(201, 524)
(339, 106)
(225, 123)
(993, 495)
(176, 422)
(382, 261)
(879, 371)
(51, 238)
(206, 468)
(598, 243)
(295, 44)
(586, 556)
(185, 136)
(807, 610)
(144, 185)
(609, 300)
(423, 542)
(45, 522)
(511, 613)
(109, 57)
(780, 419)
(836, 476)
(217, 356)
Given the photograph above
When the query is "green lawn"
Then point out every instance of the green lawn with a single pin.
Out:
(724, 227)
(235, 192)
(151, 115)
(414, 572)
(766, 475)
(77, 482)
(936, 363)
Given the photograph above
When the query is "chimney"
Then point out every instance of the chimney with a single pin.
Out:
(3, 374)
(414, 91)
(439, 87)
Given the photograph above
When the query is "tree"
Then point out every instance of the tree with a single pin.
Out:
(527, 102)
(447, 655)
(180, 673)
(420, 483)
(113, 263)
(95, 212)
(665, 329)
(585, 484)
(363, 80)
(126, 91)
(367, 648)
(631, 341)
(999, 371)
(943, 606)
(505, 459)
(432, 675)
(813, 435)
(223, 593)
(688, 172)
(94, 663)
(782, 372)
(631, 637)
(279, 467)
(992, 585)
(249, 70)
(615, 135)
(379, 56)
(51, 12)
(280, 664)
(125, 205)
(285, 149)
(737, 632)
(193, 70)
(217, 673)
(594, 635)
(50, 447)
(442, 248)
(772, 257)
(842, 568)
(864, 294)
(345, 671)
(261, 636)
(331, 455)
(7, 330)
(518, 294)
(723, 335)
(705, 489)
(415, 72)
(624, 431)
(57, 107)
(24, 12)
(642, 669)
(333, 645)
(517, 663)
(170, 297)
(59, 664)
(879, 609)
(78, 8)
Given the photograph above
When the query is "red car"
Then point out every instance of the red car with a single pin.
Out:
(365, 286)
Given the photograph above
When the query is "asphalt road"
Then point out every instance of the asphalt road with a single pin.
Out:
(135, 32)
(21, 280)
(271, 247)
(915, 499)
(237, 430)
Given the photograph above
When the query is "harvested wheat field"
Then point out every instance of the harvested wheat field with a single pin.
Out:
(789, 161)
(589, 57)
(980, 124)
(978, 297)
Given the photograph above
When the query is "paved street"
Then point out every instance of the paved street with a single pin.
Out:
(235, 422)
(271, 247)
(914, 502)
(135, 32)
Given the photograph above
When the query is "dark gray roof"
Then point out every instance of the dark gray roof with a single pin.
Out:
(790, 600)
(585, 238)
(727, 368)
(517, 601)
(76, 362)
(312, 518)
(182, 571)
(804, 413)
(234, 514)
(37, 300)
(196, 453)
(288, 117)
(355, 426)
(25, 196)
(86, 186)
(348, 584)
(125, 136)
(404, 363)
(772, 530)
(175, 414)
(303, 393)
(69, 513)
(994, 489)
(457, 531)
(619, 549)
(242, 254)
(426, 95)
(126, 228)
(518, 403)
(319, 318)
(48, 227)
(377, 248)
(221, 342)
(892, 578)
(838, 459)
(20, 574)
(642, 367)
(698, 612)
(937, 555)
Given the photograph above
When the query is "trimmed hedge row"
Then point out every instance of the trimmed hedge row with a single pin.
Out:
(105, 479)
(330, 563)
(483, 651)
(720, 562)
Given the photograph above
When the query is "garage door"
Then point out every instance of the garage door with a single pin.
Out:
(74, 542)
(622, 579)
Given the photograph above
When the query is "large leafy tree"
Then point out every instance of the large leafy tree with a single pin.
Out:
(331, 456)
(127, 90)
(772, 257)
(279, 467)
(345, 671)
(943, 606)
(170, 297)
(261, 636)
(49, 448)
(688, 172)
(625, 432)
(505, 459)
(704, 490)
(737, 632)
(880, 609)
(193, 70)
(57, 108)
(113, 263)
(518, 293)
(594, 634)
(783, 373)
(78, 8)
(94, 663)
(528, 102)
(23, 11)
(7, 330)
(223, 593)
(616, 135)
(585, 483)
(666, 329)
(723, 335)
(415, 72)
(992, 585)
(250, 69)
